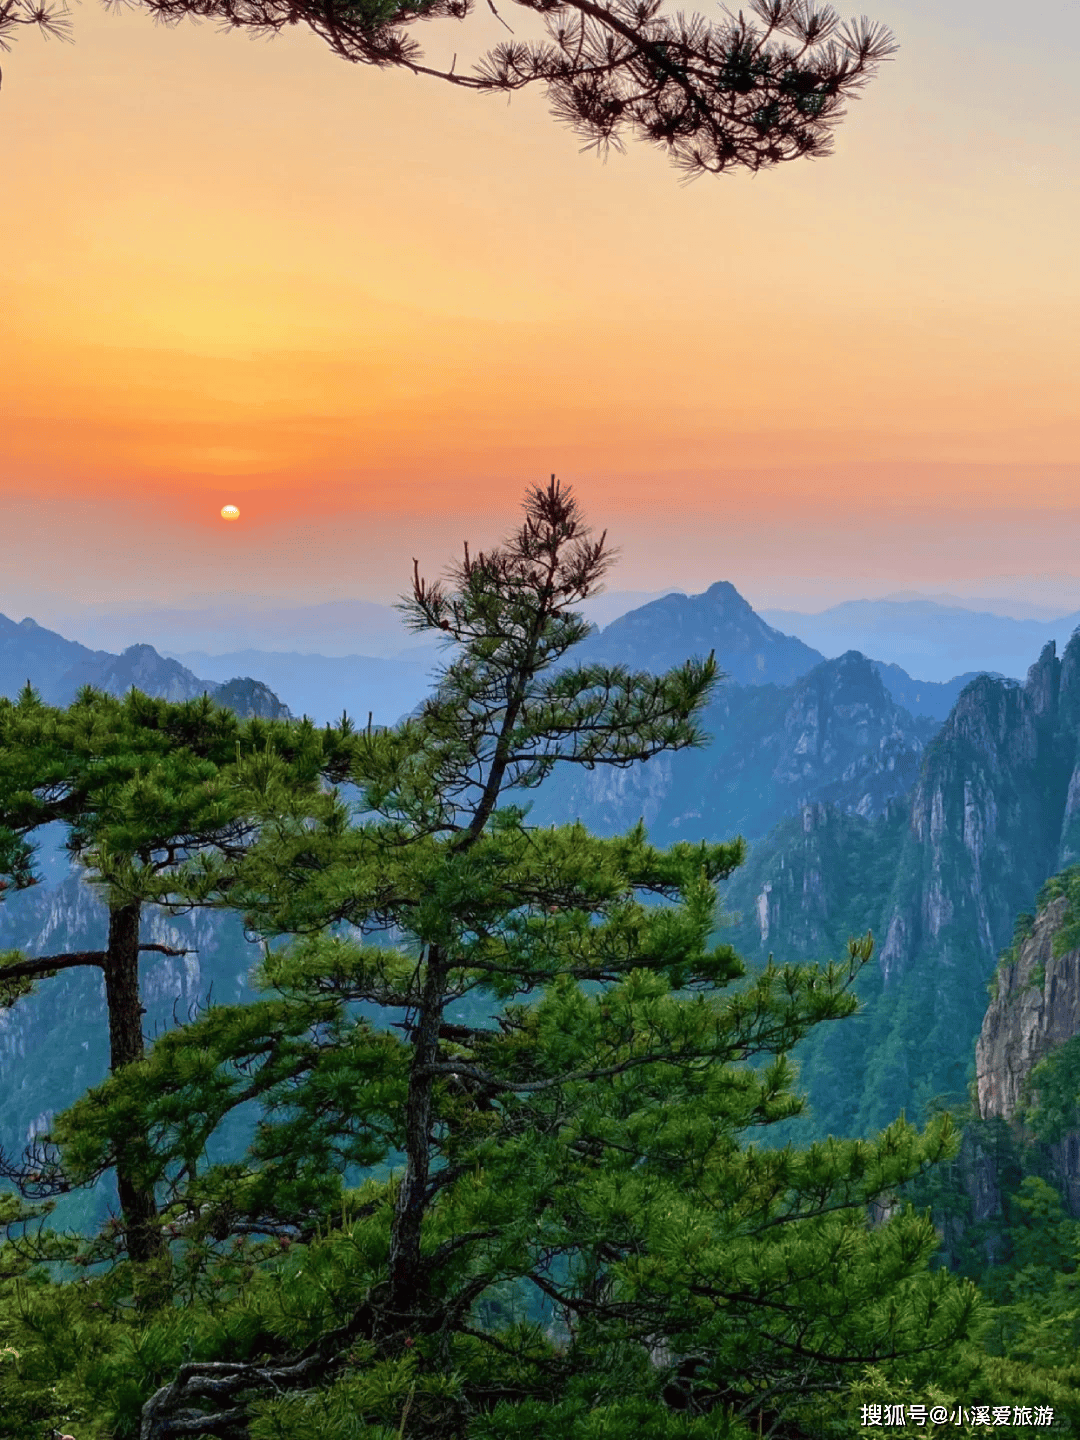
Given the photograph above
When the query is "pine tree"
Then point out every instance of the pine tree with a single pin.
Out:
(563, 1232)
(140, 784)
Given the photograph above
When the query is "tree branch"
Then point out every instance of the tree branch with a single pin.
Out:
(50, 964)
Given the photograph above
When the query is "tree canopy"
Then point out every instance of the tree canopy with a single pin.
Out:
(140, 785)
(714, 97)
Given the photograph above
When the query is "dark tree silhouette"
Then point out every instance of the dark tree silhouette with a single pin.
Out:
(734, 95)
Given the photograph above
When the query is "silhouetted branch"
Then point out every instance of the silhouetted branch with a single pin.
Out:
(716, 97)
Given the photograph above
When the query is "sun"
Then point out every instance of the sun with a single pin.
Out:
(230, 512)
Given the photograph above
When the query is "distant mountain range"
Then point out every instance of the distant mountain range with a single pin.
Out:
(926, 638)
(357, 656)
(932, 636)
(1012, 607)
(228, 624)
(661, 633)
(58, 668)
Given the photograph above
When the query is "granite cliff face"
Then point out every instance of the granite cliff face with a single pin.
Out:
(940, 876)
(990, 815)
(1035, 1010)
(844, 734)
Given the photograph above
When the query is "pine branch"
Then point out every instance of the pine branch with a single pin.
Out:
(70, 960)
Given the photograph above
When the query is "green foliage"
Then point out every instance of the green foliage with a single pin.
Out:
(1067, 884)
(1024, 1259)
(1024, 929)
(89, 1343)
(1053, 1092)
(155, 797)
(148, 789)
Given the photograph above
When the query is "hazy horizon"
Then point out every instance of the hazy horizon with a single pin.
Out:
(931, 637)
(54, 611)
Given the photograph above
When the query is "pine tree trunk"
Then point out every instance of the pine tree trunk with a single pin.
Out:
(137, 1203)
(406, 1281)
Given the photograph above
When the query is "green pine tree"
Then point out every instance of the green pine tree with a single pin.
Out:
(141, 785)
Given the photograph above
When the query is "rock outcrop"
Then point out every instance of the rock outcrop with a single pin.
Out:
(248, 698)
(1035, 1010)
(988, 815)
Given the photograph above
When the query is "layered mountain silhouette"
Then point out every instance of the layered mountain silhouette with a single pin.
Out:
(228, 622)
(58, 668)
(669, 630)
(655, 636)
(835, 734)
(930, 637)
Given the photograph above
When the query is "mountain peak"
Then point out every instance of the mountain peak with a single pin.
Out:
(668, 631)
(723, 590)
(1044, 680)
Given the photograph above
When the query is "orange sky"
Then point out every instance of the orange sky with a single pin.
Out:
(370, 309)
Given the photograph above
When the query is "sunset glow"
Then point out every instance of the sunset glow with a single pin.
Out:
(258, 269)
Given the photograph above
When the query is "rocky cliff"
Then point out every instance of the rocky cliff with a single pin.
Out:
(939, 877)
(1033, 1012)
(248, 698)
(1036, 1007)
(990, 817)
